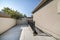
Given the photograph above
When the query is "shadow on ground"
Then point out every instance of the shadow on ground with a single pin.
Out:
(12, 34)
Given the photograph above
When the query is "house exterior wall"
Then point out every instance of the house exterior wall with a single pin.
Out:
(48, 19)
(2, 14)
(6, 23)
(58, 6)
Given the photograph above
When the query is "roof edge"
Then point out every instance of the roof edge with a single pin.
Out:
(41, 4)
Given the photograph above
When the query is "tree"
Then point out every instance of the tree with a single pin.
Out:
(12, 13)
(25, 15)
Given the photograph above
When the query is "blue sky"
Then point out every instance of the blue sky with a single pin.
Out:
(23, 6)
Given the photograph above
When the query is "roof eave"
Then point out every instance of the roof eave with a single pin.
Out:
(41, 3)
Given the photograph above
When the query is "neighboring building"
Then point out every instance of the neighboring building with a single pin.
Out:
(29, 18)
(2, 14)
(47, 17)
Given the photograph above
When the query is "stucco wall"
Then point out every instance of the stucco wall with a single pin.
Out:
(22, 21)
(48, 19)
(6, 23)
(58, 6)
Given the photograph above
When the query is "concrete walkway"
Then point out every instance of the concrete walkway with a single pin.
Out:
(22, 32)
(27, 34)
(13, 33)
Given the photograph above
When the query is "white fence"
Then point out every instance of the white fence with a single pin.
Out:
(6, 23)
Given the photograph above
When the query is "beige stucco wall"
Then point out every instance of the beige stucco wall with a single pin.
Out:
(48, 19)
(58, 5)
(6, 23)
(22, 21)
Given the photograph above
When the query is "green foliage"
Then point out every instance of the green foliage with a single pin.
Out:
(25, 15)
(13, 13)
